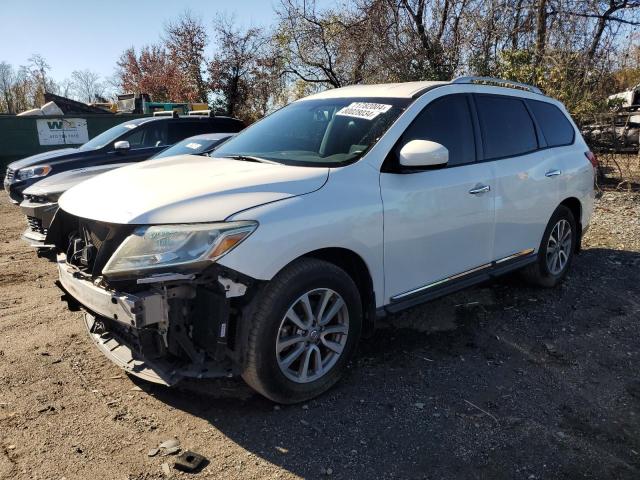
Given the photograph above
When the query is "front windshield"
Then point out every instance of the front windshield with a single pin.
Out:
(108, 136)
(190, 146)
(328, 132)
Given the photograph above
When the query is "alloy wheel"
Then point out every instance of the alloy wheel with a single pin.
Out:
(312, 335)
(559, 247)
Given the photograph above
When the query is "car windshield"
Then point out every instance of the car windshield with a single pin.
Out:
(327, 132)
(191, 146)
(108, 136)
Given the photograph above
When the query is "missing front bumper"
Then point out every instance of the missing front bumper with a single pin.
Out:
(161, 335)
(126, 357)
(35, 239)
(132, 310)
(165, 371)
(39, 216)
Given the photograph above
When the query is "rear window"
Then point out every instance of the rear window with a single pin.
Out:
(507, 128)
(557, 130)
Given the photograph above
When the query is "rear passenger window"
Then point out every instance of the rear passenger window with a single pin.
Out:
(507, 128)
(557, 130)
(447, 121)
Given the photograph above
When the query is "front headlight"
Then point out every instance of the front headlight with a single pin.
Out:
(159, 246)
(33, 172)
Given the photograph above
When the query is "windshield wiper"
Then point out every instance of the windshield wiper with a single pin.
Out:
(251, 158)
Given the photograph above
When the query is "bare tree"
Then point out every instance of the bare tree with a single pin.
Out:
(422, 39)
(24, 91)
(541, 33)
(327, 47)
(7, 78)
(87, 86)
(38, 69)
(65, 88)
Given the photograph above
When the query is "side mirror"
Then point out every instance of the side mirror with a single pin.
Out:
(121, 146)
(423, 153)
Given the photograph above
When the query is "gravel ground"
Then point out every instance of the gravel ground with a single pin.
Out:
(499, 381)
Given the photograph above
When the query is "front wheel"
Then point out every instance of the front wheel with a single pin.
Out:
(304, 327)
(556, 250)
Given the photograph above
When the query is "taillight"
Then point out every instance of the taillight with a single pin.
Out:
(592, 158)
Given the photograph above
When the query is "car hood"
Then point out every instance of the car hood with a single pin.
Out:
(39, 158)
(187, 189)
(62, 182)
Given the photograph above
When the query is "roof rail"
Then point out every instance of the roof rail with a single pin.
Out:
(498, 82)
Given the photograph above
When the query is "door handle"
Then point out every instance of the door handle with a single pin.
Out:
(553, 173)
(479, 189)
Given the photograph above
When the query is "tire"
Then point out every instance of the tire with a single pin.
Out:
(548, 273)
(272, 323)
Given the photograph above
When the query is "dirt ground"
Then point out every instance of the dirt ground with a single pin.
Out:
(500, 381)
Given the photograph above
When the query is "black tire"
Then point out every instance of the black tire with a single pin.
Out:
(262, 371)
(539, 273)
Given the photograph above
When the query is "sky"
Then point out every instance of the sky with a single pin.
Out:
(80, 34)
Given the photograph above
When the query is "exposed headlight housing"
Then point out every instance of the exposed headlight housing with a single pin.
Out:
(33, 172)
(53, 197)
(161, 246)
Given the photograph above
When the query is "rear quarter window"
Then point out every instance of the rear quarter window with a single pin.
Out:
(226, 125)
(180, 130)
(507, 128)
(555, 126)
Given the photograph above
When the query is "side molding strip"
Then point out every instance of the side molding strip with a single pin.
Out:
(514, 256)
(410, 293)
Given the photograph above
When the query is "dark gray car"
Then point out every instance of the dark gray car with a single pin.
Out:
(41, 200)
(131, 141)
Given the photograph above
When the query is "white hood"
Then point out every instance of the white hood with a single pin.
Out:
(187, 189)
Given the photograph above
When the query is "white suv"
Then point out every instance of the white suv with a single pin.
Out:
(272, 258)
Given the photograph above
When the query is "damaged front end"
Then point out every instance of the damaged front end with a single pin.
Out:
(162, 325)
(39, 211)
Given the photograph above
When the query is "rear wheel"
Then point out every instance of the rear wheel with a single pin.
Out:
(304, 327)
(556, 250)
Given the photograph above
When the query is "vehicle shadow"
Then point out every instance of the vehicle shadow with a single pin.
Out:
(481, 384)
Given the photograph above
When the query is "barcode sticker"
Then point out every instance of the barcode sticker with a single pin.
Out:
(367, 111)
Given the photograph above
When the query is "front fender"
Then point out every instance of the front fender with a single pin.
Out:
(346, 213)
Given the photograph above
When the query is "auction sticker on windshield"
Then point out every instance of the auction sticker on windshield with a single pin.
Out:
(365, 110)
(193, 145)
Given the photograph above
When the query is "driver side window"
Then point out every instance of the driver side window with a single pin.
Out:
(154, 135)
(447, 121)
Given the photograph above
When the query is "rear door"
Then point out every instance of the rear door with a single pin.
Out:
(438, 223)
(525, 172)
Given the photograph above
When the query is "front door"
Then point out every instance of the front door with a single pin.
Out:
(145, 141)
(437, 223)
